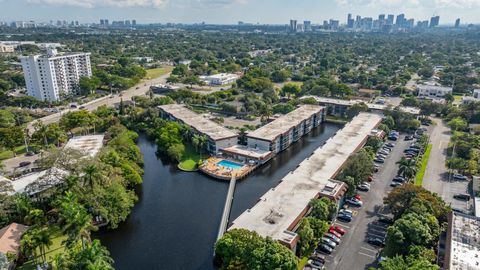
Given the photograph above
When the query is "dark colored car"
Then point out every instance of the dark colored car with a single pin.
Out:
(386, 220)
(375, 241)
(379, 160)
(392, 138)
(318, 257)
(344, 218)
(463, 197)
(24, 163)
(324, 249)
(399, 179)
(395, 184)
(30, 153)
(408, 138)
(389, 144)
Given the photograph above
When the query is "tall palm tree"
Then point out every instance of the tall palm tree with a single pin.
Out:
(407, 168)
(77, 223)
(90, 171)
(42, 238)
(42, 131)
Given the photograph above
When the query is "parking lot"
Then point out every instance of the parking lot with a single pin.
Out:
(354, 252)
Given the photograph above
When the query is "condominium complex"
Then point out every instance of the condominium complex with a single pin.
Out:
(49, 77)
(433, 91)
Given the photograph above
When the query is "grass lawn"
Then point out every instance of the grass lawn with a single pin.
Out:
(190, 159)
(299, 84)
(458, 98)
(9, 154)
(157, 72)
(302, 263)
(423, 166)
(52, 251)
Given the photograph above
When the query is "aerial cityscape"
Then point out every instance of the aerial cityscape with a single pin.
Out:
(239, 134)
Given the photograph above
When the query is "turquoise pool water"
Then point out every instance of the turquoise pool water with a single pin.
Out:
(229, 164)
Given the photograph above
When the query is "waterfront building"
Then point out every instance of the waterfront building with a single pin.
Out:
(278, 212)
(218, 136)
(51, 77)
(278, 135)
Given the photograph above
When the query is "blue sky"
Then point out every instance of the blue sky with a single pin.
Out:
(232, 11)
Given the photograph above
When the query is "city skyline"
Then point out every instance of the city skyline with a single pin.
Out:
(232, 11)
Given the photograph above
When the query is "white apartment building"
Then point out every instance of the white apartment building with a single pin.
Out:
(51, 76)
(433, 91)
(474, 98)
(220, 79)
(5, 48)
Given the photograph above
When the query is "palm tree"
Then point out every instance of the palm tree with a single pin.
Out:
(89, 178)
(202, 143)
(407, 168)
(42, 131)
(42, 238)
(265, 113)
(96, 256)
(77, 223)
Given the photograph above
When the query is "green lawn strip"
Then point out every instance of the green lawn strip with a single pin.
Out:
(51, 252)
(190, 159)
(302, 263)
(9, 154)
(423, 166)
(157, 72)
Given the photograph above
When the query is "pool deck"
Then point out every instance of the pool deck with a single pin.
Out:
(211, 168)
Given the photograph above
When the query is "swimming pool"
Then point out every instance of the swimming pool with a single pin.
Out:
(229, 164)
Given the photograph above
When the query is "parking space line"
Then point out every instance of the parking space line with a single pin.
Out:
(369, 249)
(370, 256)
(342, 225)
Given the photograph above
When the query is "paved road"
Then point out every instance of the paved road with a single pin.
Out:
(143, 88)
(354, 252)
(436, 177)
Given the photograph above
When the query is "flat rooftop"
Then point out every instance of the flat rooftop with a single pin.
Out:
(87, 145)
(247, 151)
(285, 122)
(371, 106)
(198, 122)
(465, 245)
(278, 209)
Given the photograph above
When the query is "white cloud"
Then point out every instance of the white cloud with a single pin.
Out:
(103, 3)
(461, 4)
(138, 3)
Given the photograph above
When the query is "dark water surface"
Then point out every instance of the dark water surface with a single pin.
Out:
(175, 222)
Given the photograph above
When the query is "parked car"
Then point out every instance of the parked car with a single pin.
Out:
(73, 106)
(396, 184)
(383, 152)
(388, 149)
(344, 218)
(460, 177)
(358, 197)
(332, 231)
(376, 168)
(379, 160)
(318, 257)
(30, 153)
(364, 188)
(333, 238)
(354, 202)
(389, 144)
(329, 242)
(462, 197)
(376, 241)
(315, 264)
(415, 146)
(386, 220)
(339, 229)
(408, 137)
(399, 179)
(24, 163)
(392, 138)
(414, 150)
(381, 156)
(324, 249)
(345, 212)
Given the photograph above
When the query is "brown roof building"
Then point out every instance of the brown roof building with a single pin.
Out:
(10, 238)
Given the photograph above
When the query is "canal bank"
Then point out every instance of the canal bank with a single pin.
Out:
(175, 222)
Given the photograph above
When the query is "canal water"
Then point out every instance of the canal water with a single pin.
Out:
(175, 222)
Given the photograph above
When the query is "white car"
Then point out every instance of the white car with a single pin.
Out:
(354, 202)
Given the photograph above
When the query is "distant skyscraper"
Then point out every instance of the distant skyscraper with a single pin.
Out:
(457, 23)
(293, 25)
(390, 19)
(102, 22)
(400, 20)
(350, 21)
(307, 26)
(381, 17)
(134, 22)
(106, 22)
(434, 21)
